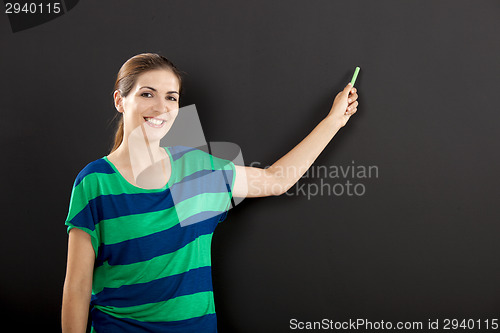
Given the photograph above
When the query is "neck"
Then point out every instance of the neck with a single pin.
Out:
(141, 152)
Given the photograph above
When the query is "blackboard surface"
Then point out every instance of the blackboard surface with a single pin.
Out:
(418, 241)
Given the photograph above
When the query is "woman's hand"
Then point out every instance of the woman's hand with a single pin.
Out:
(344, 105)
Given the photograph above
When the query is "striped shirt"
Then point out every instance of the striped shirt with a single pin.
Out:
(152, 269)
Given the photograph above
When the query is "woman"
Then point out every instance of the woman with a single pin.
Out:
(141, 219)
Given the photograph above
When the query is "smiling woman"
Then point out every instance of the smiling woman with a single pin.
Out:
(141, 219)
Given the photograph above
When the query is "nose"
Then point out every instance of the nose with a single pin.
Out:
(165, 106)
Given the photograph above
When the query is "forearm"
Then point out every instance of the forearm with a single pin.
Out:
(289, 168)
(75, 309)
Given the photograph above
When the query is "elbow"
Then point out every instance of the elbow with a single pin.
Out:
(281, 187)
(281, 181)
(274, 183)
(286, 188)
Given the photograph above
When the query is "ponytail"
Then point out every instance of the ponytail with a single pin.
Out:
(118, 135)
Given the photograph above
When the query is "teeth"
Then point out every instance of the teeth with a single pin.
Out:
(155, 121)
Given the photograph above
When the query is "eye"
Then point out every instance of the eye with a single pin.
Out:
(172, 98)
(146, 93)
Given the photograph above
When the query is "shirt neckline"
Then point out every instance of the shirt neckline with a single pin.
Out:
(164, 187)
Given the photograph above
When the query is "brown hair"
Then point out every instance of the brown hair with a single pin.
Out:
(127, 77)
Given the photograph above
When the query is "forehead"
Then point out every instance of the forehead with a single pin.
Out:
(160, 79)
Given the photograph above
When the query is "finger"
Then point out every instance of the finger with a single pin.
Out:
(347, 89)
(353, 105)
(350, 113)
(352, 98)
(351, 108)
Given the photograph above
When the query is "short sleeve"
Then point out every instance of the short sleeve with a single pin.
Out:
(228, 171)
(81, 213)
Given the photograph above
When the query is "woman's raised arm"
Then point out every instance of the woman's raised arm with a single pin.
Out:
(285, 172)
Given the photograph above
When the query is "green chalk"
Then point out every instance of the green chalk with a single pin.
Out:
(355, 76)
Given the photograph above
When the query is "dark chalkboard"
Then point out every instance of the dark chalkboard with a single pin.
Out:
(415, 240)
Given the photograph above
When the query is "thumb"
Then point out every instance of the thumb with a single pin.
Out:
(347, 89)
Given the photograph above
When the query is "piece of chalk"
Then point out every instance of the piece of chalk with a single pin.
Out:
(355, 76)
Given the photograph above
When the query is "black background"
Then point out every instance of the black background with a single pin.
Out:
(421, 243)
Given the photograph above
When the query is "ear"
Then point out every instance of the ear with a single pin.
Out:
(117, 96)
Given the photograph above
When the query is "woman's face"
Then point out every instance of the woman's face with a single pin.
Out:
(151, 106)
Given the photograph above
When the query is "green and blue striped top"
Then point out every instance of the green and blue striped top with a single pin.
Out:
(152, 269)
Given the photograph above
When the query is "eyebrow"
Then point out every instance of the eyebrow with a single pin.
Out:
(168, 92)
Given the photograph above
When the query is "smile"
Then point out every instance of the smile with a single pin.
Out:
(154, 122)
